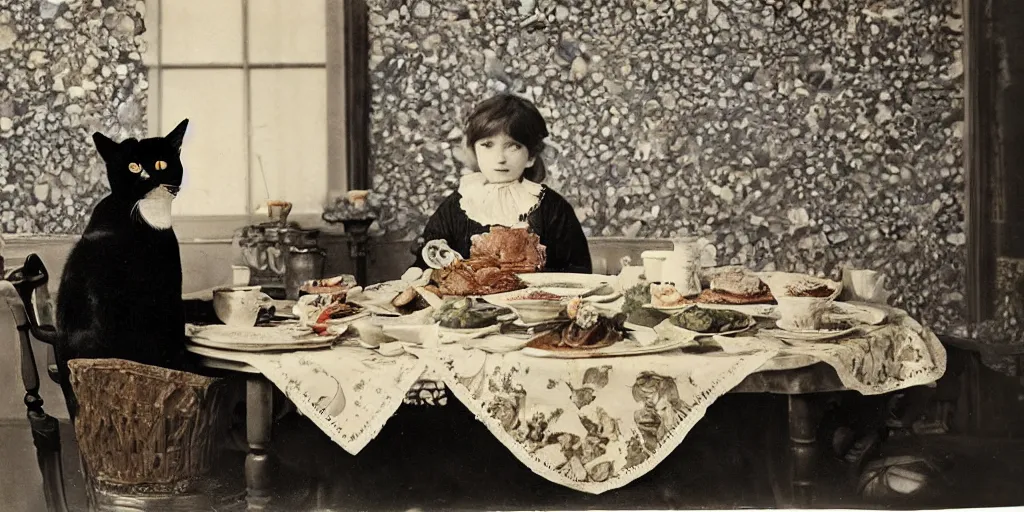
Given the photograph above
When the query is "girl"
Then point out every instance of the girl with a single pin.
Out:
(506, 135)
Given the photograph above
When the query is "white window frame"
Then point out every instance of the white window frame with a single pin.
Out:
(220, 228)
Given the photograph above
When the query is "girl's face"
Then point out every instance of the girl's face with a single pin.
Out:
(501, 158)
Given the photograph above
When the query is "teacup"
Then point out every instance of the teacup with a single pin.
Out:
(804, 313)
(864, 285)
(240, 306)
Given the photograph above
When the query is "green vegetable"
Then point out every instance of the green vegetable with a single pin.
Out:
(635, 297)
(647, 317)
(710, 320)
(464, 313)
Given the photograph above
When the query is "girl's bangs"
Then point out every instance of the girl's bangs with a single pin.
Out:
(505, 119)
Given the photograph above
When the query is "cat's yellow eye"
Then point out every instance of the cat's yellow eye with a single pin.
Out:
(134, 168)
(160, 165)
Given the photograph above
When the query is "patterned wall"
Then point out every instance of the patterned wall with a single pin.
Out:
(67, 69)
(802, 136)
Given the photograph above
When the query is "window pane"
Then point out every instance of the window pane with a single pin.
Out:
(289, 120)
(286, 32)
(214, 150)
(201, 32)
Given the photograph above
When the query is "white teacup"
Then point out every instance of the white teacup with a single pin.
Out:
(240, 305)
(803, 313)
(864, 285)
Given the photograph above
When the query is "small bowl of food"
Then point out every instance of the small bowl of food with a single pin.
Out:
(536, 307)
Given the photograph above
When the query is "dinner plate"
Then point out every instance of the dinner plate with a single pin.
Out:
(697, 334)
(621, 349)
(861, 315)
(858, 314)
(754, 310)
(641, 340)
(566, 284)
(819, 335)
(258, 339)
(565, 280)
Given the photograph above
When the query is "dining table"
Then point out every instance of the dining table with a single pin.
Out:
(666, 394)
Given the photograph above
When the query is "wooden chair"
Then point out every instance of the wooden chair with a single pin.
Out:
(24, 289)
(148, 436)
(25, 293)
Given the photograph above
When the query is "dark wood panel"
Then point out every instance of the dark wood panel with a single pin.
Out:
(357, 93)
(979, 117)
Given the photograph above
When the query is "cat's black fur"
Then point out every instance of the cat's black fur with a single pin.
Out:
(120, 292)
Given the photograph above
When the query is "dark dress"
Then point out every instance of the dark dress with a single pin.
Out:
(553, 220)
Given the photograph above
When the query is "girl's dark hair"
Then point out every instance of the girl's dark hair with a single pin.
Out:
(517, 117)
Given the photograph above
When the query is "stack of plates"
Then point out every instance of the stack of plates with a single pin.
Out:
(258, 339)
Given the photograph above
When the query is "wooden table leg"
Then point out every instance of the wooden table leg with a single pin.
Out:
(804, 416)
(258, 415)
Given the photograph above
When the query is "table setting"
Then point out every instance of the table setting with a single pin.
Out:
(590, 380)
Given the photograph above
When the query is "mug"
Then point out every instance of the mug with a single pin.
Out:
(240, 306)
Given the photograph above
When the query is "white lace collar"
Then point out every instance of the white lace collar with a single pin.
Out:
(503, 204)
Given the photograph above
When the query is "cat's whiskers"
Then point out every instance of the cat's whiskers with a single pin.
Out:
(135, 215)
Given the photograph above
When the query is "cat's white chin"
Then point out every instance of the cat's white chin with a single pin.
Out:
(155, 208)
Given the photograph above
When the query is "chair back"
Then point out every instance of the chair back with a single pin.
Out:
(144, 430)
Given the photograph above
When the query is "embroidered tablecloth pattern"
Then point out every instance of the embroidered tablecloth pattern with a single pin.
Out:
(589, 424)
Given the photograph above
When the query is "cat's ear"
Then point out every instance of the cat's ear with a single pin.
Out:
(177, 135)
(104, 145)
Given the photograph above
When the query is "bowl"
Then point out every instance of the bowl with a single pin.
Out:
(536, 311)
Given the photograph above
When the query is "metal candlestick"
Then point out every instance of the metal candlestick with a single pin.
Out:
(358, 231)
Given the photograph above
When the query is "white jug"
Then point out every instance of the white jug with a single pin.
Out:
(682, 266)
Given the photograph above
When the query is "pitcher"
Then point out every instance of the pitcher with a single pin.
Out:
(682, 266)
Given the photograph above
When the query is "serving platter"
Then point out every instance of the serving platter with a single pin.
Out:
(639, 341)
(750, 323)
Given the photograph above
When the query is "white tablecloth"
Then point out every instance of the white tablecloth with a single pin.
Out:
(592, 424)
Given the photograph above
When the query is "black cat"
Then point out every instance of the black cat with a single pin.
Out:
(120, 293)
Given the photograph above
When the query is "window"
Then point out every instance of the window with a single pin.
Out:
(260, 88)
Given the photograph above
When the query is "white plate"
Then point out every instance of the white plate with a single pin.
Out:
(667, 323)
(566, 284)
(626, 347)
(864, 315)
(258, 339)
(698, 334)
(576, 280)
(754, 310)
(809, 335)
(280, 347)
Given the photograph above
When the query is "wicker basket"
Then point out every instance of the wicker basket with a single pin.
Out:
(145, 430)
